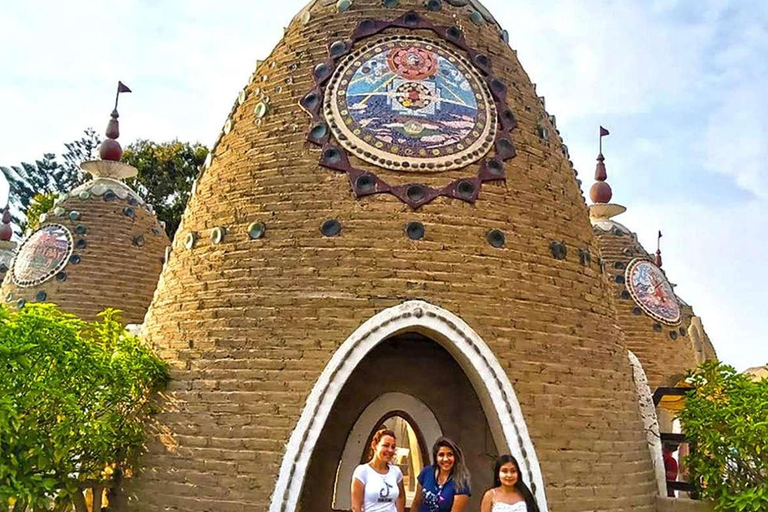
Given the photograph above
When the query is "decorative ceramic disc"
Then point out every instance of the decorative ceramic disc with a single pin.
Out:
(41, 256)
(408, 103)
(650, 289)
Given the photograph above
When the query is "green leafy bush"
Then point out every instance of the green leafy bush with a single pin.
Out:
(73, 399)
(726, 417)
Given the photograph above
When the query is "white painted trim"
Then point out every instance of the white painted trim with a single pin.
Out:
(491, 384)
(650, 422)
(424, 420)
(695, 334)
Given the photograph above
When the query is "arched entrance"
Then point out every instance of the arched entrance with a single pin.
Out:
(497, 404)
(429, 395)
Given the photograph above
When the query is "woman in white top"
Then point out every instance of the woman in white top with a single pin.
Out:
(509, 493)
(378, 485)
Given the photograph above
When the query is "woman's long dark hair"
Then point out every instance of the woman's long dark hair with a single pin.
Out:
(460, 473)
(530, 501)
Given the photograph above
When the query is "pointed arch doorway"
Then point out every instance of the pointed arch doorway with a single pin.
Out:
(397, 335)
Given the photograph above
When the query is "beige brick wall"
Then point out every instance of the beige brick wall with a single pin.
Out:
(684, 505)
(248, 325)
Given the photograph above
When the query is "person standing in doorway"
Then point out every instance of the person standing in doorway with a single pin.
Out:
(378, 485)
(443, 486)
(670, 466)
(509, 493)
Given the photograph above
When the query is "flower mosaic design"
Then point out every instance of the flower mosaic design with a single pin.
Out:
(401, 99)
(411, 119)
(650, 289)
(42, 255)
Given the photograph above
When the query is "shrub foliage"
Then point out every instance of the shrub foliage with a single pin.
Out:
(726, 417)
(74, 396)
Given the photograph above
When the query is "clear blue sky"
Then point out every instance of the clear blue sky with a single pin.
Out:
(680, 84)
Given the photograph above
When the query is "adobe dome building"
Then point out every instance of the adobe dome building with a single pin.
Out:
(659, 327)
(101, 246)
(389, 232)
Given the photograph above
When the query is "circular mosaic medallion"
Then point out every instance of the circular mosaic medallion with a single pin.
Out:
(42, 255)
(407, 103)
(650, 289)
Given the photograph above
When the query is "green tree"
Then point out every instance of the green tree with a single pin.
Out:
(166, 173)
(74, 397)
(40, 204)
(726, 418)
(81, 150)
(26, 180)
(48, 175)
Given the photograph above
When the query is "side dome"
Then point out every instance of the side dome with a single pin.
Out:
(659, 327)
(388, 213)
(100, 247)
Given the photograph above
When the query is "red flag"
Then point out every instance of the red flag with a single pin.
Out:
(604, 132)
(121, 87)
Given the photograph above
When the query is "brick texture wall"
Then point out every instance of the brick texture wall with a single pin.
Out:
(248, 325)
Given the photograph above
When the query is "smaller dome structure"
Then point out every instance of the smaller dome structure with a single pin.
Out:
(100, 247)
(757, 372)
(659, 327)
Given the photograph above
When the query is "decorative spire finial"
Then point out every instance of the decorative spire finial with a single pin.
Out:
(658, 250)
(109, 165)
(6, 231)
(601, 192)
(110, 149)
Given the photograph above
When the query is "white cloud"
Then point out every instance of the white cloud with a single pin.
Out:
(607, 57)
(736, 138)
(185, 61)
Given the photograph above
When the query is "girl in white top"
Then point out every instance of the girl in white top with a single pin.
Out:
(378, 485)
(509, 494)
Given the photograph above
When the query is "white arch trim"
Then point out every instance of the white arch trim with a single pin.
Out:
(491, 384)
(695, 331)
(650, 422)
(422, 416)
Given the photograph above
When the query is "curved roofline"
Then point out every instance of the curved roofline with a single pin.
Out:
(475, 4)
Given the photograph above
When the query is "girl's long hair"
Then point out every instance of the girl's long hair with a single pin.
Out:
(530, 501)
(376, 438)
(460, 473)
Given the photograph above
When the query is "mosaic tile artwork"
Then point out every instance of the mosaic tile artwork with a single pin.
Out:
(42, 255)
(652, 292)
(408, 103)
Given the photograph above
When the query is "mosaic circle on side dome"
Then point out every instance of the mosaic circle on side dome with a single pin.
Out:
(41, 256)
(650, 289)
(407, 103)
